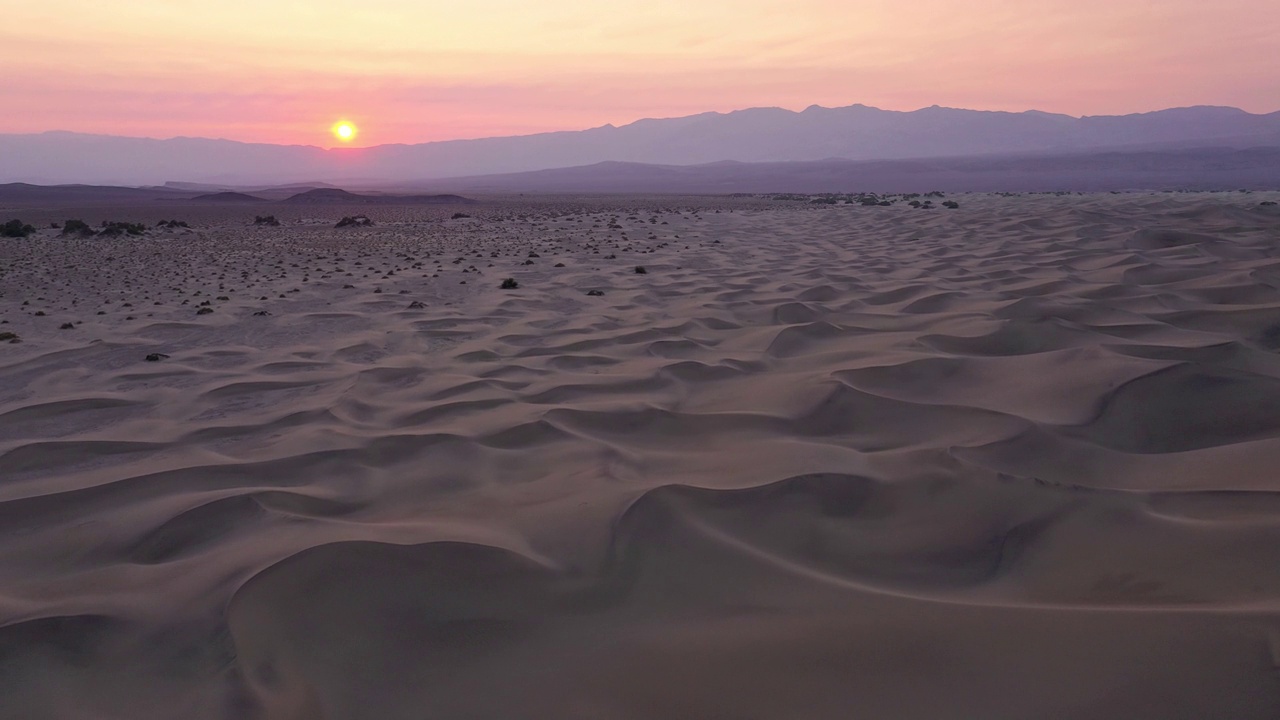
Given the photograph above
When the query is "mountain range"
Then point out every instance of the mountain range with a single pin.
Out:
(757, 135)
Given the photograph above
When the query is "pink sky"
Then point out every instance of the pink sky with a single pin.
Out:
(409, 71)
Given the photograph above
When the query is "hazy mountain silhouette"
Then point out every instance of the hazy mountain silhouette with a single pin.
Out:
(757, 135)
(1195, 169)
(335, 196)
(228, 197)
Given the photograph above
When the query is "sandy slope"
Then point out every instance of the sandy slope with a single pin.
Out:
(1013, 460)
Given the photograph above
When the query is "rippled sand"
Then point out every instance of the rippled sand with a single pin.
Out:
(1013, 460)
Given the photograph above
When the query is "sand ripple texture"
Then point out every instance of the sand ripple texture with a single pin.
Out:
(1013, 460)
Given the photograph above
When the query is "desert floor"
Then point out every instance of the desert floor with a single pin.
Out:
(1019, 459)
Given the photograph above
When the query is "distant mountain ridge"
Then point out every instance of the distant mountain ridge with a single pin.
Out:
(25, 195)
(1192, 169)
(336, 196)
(856, 133)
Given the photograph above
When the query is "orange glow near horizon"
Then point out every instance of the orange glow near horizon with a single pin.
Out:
(426, 70)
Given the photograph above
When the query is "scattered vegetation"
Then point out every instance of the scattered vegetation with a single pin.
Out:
(112, 228)
(16, 229)
(172, 224)
(354, 221)
(459, 216)
(268, 220)
(77, 227)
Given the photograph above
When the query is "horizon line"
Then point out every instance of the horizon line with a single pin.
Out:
(629, 123)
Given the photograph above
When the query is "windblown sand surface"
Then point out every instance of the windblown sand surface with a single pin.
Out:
(1016, 460)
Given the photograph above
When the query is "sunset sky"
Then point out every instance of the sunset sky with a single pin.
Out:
(284, 71)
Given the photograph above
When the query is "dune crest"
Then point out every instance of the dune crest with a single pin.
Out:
(1010, 460)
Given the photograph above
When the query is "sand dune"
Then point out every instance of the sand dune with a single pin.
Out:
(1011, 460)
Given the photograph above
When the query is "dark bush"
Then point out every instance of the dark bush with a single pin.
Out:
(172, 224)
(16, 229)
(112, 228)
(76, 227)
(509, 284)
(640, 270)
(354, 221)
(459, 216)
(268, 220)
(951, 204)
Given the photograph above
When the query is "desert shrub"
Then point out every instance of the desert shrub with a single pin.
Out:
(354, 221)
(15, 229)
(113, 228)
(509, 284)
(268, 220)
(951, 204)
(459, 216)
(172, 224)
(76, 227)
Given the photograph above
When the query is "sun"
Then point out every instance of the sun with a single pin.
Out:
(345, 131)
